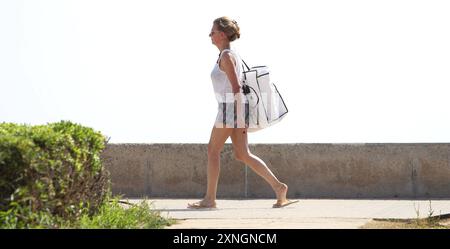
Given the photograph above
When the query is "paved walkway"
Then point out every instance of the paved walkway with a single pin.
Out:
(308, 213)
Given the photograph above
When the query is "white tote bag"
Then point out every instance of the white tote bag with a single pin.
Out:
(266, 106)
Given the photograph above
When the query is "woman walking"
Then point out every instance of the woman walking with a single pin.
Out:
(232, 118)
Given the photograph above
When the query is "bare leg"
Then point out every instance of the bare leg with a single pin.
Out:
(242, 153)
(215, 146)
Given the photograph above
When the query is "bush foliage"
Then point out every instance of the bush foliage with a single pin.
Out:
(51, 170)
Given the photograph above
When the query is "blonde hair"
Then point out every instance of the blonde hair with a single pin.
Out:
(229, 27)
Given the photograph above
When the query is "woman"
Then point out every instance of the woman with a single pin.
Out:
(232, 118)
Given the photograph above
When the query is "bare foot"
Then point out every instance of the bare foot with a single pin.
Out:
(202, 204)
(281, 194)
(282, 201)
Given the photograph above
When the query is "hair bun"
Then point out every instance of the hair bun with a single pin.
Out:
(229, 27)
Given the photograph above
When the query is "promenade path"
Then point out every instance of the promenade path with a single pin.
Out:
(308, 213)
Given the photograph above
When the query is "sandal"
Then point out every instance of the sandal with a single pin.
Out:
(289, 202)
(198, 205)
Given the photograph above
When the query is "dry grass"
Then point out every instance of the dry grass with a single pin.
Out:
(432, 221)
(442, 222)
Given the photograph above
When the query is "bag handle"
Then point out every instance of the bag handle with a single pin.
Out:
(248, 68)
(243, 69)
(246, 88)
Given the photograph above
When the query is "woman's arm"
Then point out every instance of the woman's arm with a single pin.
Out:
(228, 64)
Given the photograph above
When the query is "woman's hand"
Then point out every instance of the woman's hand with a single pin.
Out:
(236, 89)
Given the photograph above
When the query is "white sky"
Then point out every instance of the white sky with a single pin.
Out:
(139, 71)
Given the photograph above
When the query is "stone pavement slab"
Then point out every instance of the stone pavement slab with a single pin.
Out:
(308, 213)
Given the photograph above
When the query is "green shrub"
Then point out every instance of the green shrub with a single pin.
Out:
(51, 170)
(113, 215)
(110, 215)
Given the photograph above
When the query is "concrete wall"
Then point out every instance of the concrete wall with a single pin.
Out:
(310, 170)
